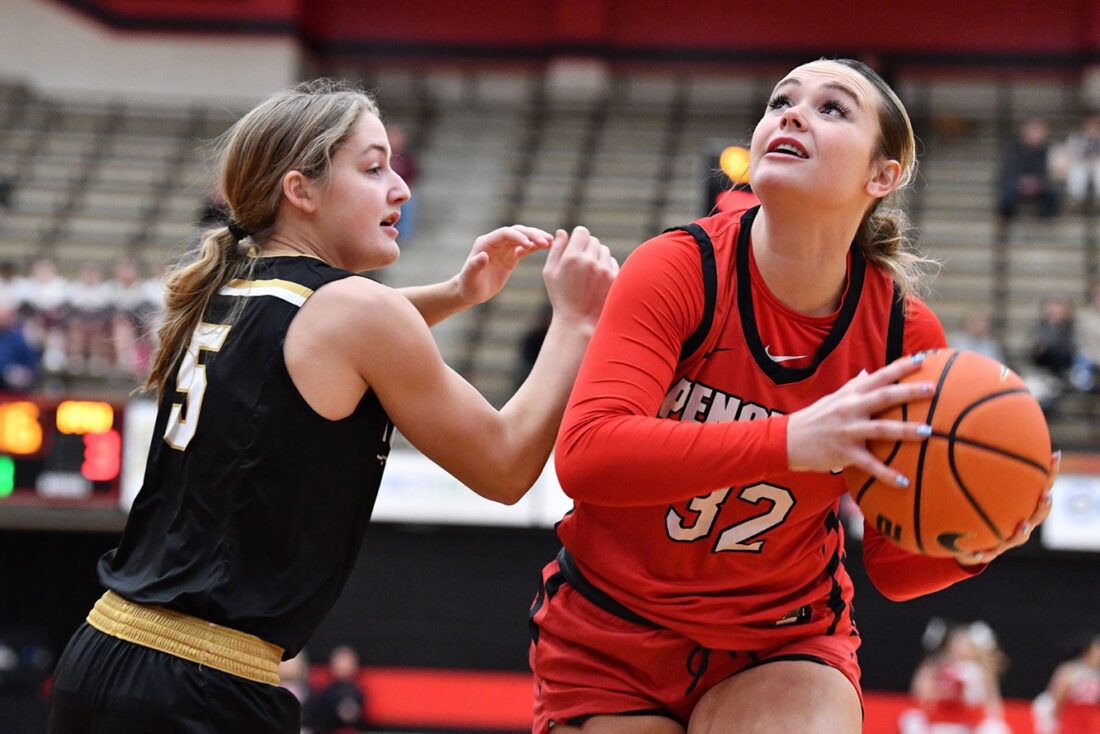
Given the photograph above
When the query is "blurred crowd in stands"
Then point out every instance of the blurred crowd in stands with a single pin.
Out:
(97, 324)
(956, 688)
(1063, 353)
(1037, 171)
(333, 698)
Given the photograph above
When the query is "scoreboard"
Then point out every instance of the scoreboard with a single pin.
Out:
(60, 449)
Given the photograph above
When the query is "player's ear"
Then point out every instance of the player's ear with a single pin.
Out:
(299, 192)
(885, 175)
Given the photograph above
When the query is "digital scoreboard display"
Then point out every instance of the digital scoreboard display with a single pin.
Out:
(60, 449)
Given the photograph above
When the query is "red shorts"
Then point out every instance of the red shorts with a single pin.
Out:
(588, 661)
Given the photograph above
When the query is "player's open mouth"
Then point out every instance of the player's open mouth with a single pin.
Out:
(787, 146)
(391, 220)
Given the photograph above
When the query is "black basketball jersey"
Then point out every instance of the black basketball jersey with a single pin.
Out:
(253, 506)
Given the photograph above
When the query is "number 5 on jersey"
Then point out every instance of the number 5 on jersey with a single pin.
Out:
(191, 380)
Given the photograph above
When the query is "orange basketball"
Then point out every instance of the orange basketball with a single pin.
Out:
(977, 477)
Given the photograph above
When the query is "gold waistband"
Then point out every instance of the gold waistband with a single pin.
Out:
(190, 638)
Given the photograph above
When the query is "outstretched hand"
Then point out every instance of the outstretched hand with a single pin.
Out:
(578, 274)
(493, 258)
(1025, 529)
(833, 432)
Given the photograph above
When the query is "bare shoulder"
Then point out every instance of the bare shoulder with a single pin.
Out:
(363, 322)
(354, 291)
(358, 305)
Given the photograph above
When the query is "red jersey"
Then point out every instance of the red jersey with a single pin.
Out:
(1079, 712)
(961, 693)
(685, 511)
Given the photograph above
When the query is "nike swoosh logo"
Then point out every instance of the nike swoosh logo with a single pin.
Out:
(777, 360)
(949, 541)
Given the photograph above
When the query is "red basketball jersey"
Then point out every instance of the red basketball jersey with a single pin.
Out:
(961, 693)
(685, 511)
(1080, 709)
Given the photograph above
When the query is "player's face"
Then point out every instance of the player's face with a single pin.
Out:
(361, 202)
(818, 138)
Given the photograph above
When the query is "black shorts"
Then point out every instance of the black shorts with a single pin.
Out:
(103, 684)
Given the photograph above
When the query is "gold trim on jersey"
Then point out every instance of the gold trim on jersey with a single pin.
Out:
(190, 638)
(287, 290)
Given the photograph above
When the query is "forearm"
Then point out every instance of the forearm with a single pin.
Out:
(636, 460)
(901, 576)
(437, 301)
(533, 415)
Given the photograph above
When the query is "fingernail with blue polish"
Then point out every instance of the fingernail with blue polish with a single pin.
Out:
(1025, 526)
(918, 357)
(924, 430)
(901, 480)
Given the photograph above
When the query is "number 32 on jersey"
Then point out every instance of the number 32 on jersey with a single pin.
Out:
(739, 536)
(191, 381)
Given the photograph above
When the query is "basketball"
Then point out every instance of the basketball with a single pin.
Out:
(977, 477)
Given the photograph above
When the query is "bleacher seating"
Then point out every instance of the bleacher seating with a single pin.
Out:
(100, 180)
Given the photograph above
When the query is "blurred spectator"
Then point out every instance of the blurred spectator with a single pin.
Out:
(956, 686)
(1071, 703)
(1025, 173)
(1086, 371)
(976, 337)
(339, 707)
(18, 361)
(13, 287)
(404, 164)
(45, 308)
(26, 661)
(531, 343)
(133, 319)
(89, 350)
(294, 676)
(7, 194)
(1082, 161)
(1052, 352)
(1053, 346)
(87, 327)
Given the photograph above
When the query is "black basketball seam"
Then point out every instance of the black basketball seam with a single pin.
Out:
(893, 453)
(993, 450)
(924, 450)
(966, 492)
(951, 440)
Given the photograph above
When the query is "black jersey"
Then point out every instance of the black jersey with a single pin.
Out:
(253, 506)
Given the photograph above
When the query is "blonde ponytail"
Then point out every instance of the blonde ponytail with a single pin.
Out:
(187, 291)
(884, 240)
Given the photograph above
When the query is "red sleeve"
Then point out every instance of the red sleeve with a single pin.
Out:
(923, 330)
(900, 575)
(895, 572)
(612, 450)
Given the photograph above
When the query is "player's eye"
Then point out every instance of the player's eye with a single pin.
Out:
(779, 101)
(835, 108)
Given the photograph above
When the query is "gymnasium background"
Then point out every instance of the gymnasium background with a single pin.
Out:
(604, 112)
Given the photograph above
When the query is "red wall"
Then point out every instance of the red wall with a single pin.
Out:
(422, 698)
(983, 27)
